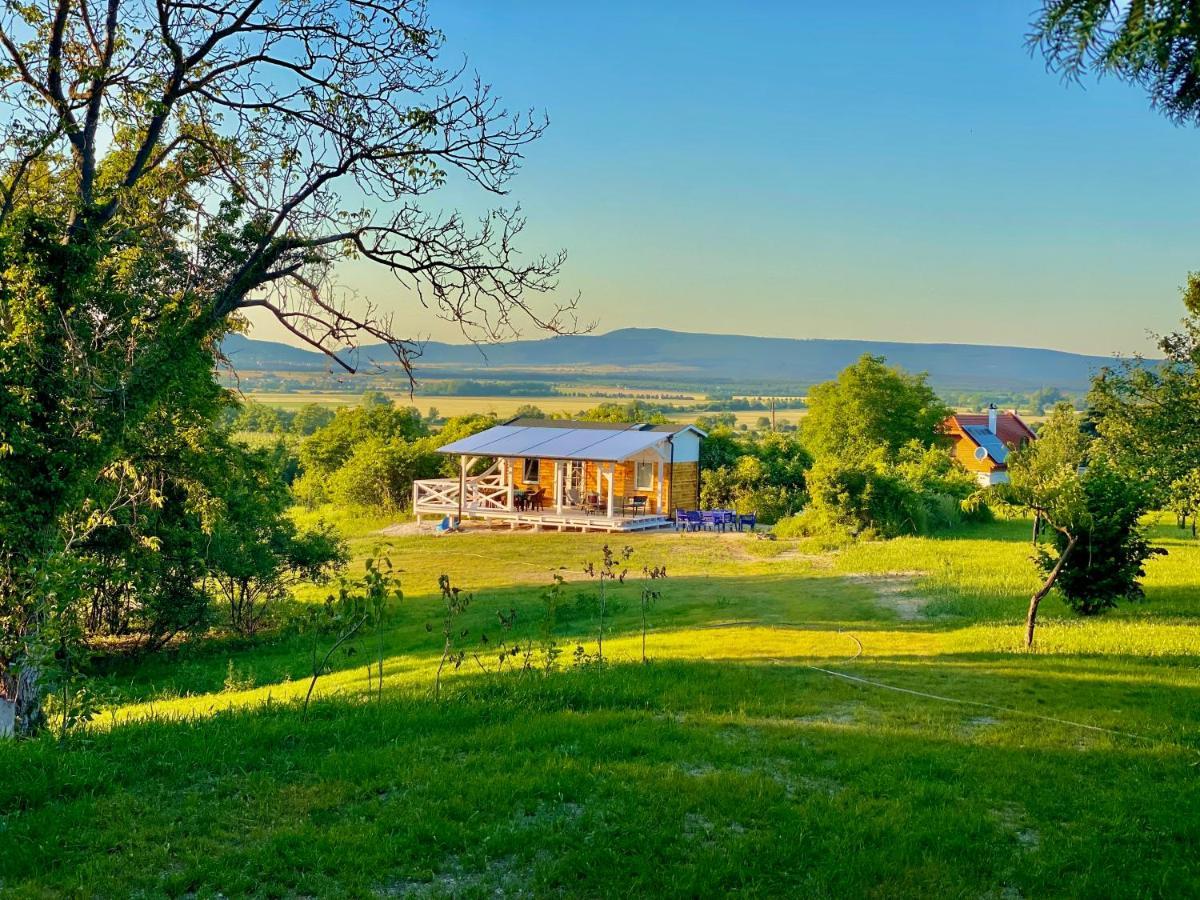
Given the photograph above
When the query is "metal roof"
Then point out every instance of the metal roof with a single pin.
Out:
(611, 444)
(578, 425)
(991, 443)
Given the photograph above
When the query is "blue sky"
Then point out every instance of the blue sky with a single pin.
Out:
(883, 171)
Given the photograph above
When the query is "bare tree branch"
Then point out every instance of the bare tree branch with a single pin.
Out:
(278, 139)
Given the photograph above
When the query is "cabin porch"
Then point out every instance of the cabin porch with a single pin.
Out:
(580, 495)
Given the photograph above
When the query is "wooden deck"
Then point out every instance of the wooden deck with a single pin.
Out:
(567, 520)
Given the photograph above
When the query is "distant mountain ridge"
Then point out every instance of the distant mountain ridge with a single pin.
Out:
(714, 357)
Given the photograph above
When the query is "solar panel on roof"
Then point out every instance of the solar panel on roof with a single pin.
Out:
(475, 443)
(993, 445)
(625, 444)
(604, 444)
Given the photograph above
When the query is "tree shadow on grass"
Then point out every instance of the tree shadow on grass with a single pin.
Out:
(682, 777)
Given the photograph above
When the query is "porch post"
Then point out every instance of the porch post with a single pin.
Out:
(612, 476)
(508, 468)
(658, 472)
(462, 484)
(558, 487)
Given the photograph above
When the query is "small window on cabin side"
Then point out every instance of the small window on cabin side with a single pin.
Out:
(531, 471)
(644, 476)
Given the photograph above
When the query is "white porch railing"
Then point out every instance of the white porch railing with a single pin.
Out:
(483, 492)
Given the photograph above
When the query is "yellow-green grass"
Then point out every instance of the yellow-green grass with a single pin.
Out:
(727, 764)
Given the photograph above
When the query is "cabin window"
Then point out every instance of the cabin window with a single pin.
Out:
(643, 478)
(531, 471)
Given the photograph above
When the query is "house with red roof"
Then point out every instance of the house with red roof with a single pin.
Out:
(982, 441)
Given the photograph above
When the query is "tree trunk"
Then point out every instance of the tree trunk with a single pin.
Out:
(1036, 600)
(30, 718)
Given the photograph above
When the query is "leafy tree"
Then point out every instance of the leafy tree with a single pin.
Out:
(331, 447)
(379, 473)
(529, 411)
(714, 421)
(254, 416)
(166, 166)
(372, 398)
(871, 406)
(721, 449)
(1147, 416)
(256, 552)
(311, 417)
(633, 411)
(456, 429)
(143, 571)
(1112, 547)
(1044, 479)
(859, 499)
(763, 474)
(1152, 43)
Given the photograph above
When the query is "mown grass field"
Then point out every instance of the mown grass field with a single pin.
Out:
(730, 763)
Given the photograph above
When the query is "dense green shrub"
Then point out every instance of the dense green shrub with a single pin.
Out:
(311, 417)
(369, 455)
(1112, 546)
(380, 473)
(255, 552)
(763, 475)
(330, 447)
(881, 467)
(920, 491)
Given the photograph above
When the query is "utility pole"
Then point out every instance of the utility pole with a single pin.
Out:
(772, 415)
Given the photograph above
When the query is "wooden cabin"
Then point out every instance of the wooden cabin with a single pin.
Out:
(566, 474)
(982, 441)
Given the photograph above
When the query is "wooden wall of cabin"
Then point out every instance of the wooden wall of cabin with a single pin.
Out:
(685, 486)
(684, 493)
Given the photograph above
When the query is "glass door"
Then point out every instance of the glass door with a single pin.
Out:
(575, 483)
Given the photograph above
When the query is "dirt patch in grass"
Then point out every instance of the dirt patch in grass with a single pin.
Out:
(503, 878)
(405, 529)
(1012, 819)
(754, 547)
(893, 590)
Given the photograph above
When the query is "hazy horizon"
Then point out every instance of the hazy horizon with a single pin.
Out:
(458, 340)
(876, 173)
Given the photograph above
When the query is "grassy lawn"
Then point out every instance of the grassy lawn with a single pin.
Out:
(729, 763)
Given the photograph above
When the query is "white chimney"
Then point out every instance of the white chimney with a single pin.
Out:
(992, 418)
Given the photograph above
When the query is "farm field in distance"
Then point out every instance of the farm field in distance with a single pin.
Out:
(801, 707)
(505, 406)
